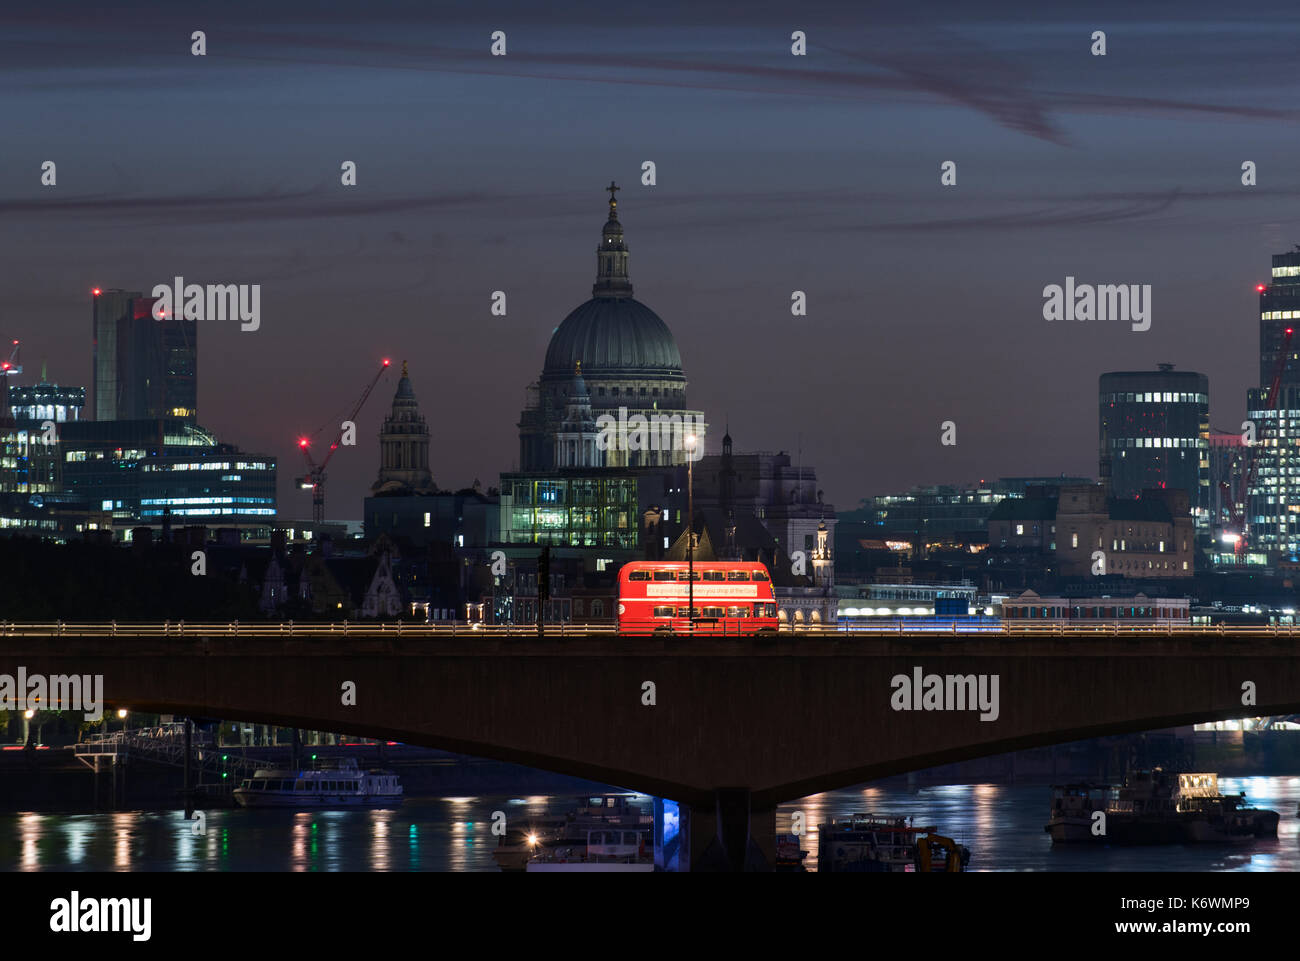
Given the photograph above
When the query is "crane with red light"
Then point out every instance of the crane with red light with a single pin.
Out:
(314, 479)
(1237, 505)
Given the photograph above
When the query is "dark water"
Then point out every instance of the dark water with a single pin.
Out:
(1002, 825)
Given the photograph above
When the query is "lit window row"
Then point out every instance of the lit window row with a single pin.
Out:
(1157, 442)
(1155, 397)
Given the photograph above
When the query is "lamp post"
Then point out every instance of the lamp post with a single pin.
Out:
(690, 530)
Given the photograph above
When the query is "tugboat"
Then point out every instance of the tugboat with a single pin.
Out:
(872, 843)
(1157, 807)
(1073, 806)
(333, 783)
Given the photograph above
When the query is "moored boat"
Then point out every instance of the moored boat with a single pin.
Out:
(873, 843)
(333, 783)
(614, 850)
(1156, 807)
(537, 835)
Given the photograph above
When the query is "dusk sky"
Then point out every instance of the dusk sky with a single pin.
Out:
(775, 173)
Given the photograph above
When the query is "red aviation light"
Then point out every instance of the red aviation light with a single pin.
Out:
(1260, 288)
(302, 441)
(387, 361)
(96, 291)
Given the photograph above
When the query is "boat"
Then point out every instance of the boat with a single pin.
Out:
(332, 783)
(539, 834)
(607, 849)
(789, 854)
(1073, 806)
(1157, 807)
(874, 843)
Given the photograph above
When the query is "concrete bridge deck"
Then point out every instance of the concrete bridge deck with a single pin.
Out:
(760, 720)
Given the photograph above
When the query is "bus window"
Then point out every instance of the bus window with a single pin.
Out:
(771, 610)
(760, 576)
(738, 612)
(688, 612)
(665, 576)
(663, 612)
(638, 575)
(688, 575)
(713, 612)
(715, 576)
(737, 575)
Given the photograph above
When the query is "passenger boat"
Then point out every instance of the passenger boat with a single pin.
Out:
(1157, 807)
(537, 835)
(617, 850)
(333, 783)
(872, 843)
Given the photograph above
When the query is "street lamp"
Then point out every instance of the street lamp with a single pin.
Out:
(690, 530)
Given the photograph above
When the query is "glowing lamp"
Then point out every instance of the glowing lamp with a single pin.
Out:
(96, 291)
(387, 361)
(1259, 288)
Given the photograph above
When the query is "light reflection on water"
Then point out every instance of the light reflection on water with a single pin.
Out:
(1001, 824)
(1003, 827)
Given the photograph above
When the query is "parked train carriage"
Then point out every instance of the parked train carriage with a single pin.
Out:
(730, 597)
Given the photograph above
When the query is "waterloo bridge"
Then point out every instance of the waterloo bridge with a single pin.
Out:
(737, 725)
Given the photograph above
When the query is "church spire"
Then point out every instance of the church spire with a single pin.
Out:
(612, 281)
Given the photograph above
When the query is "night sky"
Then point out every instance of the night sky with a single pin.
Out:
(775, 173)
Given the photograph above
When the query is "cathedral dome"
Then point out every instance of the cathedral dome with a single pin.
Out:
(612, 336)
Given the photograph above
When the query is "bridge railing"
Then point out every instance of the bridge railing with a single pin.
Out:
(283, 629)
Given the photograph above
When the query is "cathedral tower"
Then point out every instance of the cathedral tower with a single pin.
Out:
(404, 446)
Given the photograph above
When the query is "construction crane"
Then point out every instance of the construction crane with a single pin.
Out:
(1237, 504)
(314, 479)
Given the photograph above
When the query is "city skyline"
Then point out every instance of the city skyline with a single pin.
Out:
(1122, 177)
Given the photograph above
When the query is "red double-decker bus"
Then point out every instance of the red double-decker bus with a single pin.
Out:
(731, 597)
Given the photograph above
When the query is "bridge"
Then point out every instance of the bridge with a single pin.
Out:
(729, 727)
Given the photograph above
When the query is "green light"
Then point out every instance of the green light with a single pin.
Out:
(313, 757)
(225, 774)
(224, 756)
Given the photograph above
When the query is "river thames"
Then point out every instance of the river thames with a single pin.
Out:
(1001, 824)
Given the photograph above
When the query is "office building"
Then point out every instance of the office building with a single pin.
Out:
(1272, 519)
(168, 472)
(142, 368)
(1154, 426)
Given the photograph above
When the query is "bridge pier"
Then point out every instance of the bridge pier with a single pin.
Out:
(729, 835)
